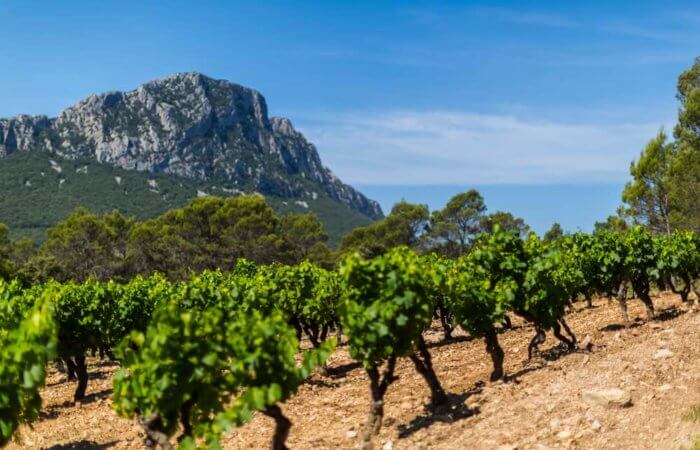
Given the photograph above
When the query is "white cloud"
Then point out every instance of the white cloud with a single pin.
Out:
(443, 147)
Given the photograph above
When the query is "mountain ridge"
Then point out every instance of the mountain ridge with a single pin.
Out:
(191, 126)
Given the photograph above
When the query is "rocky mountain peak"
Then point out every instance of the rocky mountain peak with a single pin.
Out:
(190, 125)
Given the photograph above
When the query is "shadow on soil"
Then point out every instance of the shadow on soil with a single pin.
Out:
(52, 411)
(83, 445)
(661, 316)
(92, 376)
(451, 413)
(342, 370)
(452, 340)
(669, 314)
(540, 359)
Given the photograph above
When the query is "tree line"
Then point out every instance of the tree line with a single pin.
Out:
(208, 233)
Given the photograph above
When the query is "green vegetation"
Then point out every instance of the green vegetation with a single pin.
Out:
(666, 177)
(201, 355)
(209, 233)
(386, 308)
(36, 196)
(449, 232)
(220, 365)
(26, 349)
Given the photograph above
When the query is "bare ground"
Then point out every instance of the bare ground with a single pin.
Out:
(538, 407)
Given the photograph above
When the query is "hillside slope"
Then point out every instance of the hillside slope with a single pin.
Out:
(39, 190)
(540, 407)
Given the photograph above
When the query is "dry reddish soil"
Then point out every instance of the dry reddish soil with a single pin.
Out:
(539, 406)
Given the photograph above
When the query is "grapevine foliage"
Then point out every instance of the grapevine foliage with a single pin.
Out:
(26, 350)
(208, 368)
(386, 306)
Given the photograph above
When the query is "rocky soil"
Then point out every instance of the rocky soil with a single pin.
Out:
(629, 389)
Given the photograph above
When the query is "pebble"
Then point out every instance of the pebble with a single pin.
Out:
(388, 445)
(663, 353)
(609, 398)
(351, 434)
(564, 435)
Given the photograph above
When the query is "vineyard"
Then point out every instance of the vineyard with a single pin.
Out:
(198, 358)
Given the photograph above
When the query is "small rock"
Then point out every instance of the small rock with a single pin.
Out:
(564, 435)
(595, 425)
(609, 398)
(507, 447)
(655, 326)
(664, 388)
(388, 445)
(351, 434)
(663, 353)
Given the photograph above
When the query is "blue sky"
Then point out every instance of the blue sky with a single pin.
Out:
(402, 98)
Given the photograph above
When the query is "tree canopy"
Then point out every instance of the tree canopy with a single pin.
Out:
(665, 187)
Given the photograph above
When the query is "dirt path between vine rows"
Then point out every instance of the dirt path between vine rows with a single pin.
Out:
(539, 407)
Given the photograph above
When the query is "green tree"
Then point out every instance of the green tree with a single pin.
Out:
(23, 250)
(666, 178)
(304, 239)
(554, 233)
(506, 222)
(85, 246)
(7, 266)
(453, 228)
(208, 233)
(685, 168)
(405, 225)
(615, 223)
(648, 194)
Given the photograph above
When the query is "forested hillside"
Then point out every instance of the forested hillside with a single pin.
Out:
(40, 190)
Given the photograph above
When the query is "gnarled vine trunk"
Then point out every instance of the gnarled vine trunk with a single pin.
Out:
(378, 387)
(424, 365)
(282, 427)
(496, 353)
(82, 374)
